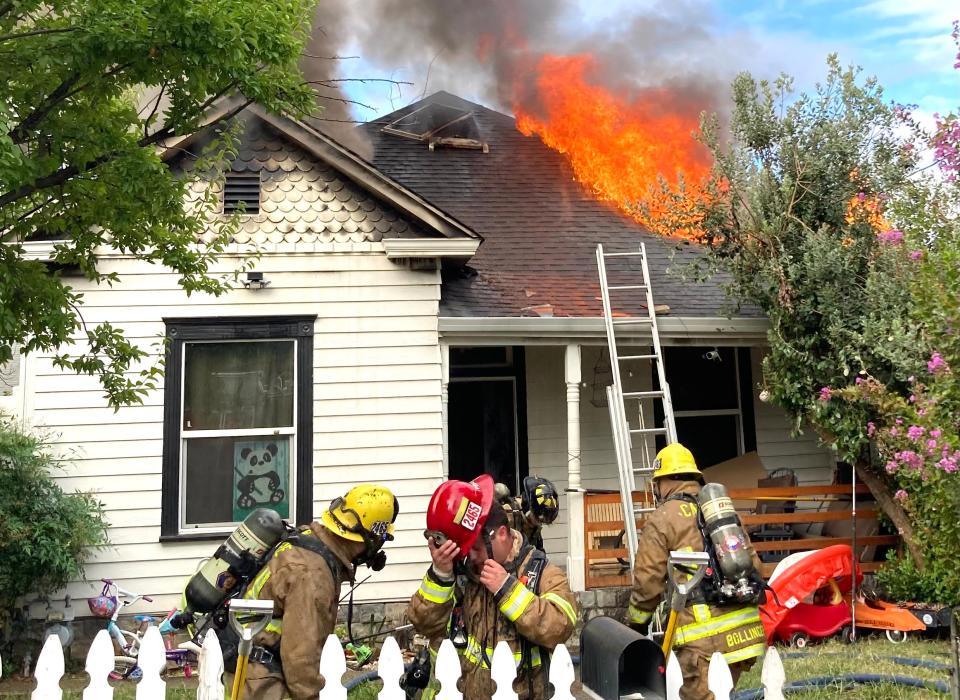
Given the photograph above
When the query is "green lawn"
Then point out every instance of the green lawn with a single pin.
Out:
(866, 656)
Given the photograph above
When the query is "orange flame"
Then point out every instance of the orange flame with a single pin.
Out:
(619, 147)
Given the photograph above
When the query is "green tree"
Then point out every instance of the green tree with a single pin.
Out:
(92, 92)
(798, 215)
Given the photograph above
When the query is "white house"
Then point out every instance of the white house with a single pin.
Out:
(431, 310)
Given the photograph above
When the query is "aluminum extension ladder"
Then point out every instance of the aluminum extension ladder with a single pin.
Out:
(627, 417)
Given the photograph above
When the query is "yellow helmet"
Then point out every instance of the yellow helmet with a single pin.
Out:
(674, 460)
(365, 514)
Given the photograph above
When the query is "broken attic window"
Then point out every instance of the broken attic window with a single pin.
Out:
(422, 123)
(241, 191)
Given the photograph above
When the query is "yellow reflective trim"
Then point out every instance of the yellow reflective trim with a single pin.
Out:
(637, 616)
(750, 652)
(561, 603)
(717, 625)
(514, 604)
(472, 654)
(434, 592)
(701, 613)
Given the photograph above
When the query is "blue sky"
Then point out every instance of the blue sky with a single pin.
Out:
(905, 43)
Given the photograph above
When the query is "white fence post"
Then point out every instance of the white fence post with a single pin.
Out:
(719, 679)
(211, 669)
(390, 668)
(674, 677)
(772, 676)
(503, 672)
(152, 660)
(99, 665)
(448, 672)
(49, 671)
(333, 665)
(561, 674)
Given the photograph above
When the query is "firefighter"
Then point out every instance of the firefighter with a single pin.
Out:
(485, 585)
(303, 582)
(702, 627)
(537, 506)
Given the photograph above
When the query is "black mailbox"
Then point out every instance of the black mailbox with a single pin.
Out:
(617, 662)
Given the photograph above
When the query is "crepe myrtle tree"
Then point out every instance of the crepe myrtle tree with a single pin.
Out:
(801, 211)
(91, 93)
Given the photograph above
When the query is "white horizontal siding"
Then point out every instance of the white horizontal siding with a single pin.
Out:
(376, 406)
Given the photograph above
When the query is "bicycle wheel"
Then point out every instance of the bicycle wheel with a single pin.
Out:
(125, 667)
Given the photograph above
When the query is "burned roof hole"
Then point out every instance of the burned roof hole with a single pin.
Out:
(439, 124)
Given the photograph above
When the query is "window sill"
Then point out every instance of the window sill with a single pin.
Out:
(197, 537)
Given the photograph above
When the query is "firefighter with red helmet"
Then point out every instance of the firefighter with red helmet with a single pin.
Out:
(487, 584)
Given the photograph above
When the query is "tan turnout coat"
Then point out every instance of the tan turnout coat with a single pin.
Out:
(544, 620)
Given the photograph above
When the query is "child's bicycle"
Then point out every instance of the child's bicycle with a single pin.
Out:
(107, 605)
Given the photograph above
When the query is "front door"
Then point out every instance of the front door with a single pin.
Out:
(486, 415)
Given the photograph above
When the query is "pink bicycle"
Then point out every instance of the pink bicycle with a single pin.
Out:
(108, 605)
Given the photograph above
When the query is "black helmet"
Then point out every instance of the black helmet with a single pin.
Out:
(540, 499)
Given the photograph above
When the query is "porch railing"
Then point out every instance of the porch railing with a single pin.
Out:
(605, 558)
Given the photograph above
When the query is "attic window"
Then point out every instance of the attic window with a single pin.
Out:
(241, 191)
(422, 123)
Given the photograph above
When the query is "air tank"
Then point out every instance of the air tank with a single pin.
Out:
(723, 528)
(247, 545)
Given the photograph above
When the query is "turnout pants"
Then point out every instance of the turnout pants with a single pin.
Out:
(694, 665)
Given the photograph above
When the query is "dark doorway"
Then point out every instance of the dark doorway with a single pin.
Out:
(487, 415)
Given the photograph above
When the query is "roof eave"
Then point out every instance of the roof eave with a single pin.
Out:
(673, 330)
(456, 248)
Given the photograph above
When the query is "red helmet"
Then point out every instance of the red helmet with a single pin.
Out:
(458, 509)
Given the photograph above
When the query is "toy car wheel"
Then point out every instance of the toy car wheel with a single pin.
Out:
(846, 634)
(799, 640)
(896, 636)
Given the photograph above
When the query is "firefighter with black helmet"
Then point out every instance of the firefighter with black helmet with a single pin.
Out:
(303, 578)
(705, 625)
(487, 584)
(537, 506)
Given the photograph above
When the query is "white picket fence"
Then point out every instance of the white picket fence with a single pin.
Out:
(333, 665)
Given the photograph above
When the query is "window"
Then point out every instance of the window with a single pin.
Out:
(710, 390)
(241, 192)
(237, 422)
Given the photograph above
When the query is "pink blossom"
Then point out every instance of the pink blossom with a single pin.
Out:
(871, 429)
(909, 458)
(891, 237)
(900, 495)
(892, 467)
(937, 364)
(931, 446)
(825, 394)
(935, 433)
(893, 431)
(915, 432)
(916, 254)
(948, 464)
(899, 421)
(913, 398)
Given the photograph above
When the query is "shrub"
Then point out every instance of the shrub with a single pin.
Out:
(45, 534)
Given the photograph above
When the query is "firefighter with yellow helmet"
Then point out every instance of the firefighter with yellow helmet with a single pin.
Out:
(710, 622)
(303, 579)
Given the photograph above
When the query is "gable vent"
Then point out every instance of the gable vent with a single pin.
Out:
(241, 191)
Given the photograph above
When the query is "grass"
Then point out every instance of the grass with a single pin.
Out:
(868, 655)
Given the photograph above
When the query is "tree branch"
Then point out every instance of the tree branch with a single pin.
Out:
(35, 32)
(20, 132)
(892, 510)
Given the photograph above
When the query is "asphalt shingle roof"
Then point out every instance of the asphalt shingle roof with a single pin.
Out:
(540, 226)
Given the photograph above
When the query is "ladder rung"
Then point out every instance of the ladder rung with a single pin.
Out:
(640, 509)
(623, 255)
(626, 286)
(621, 321)
(643, 394)
(637, 357)
(644, 470)
(648, 431)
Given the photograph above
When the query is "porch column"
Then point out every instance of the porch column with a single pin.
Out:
(444, 401)
(575, 552)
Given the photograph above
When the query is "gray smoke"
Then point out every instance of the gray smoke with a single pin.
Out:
(487, 50)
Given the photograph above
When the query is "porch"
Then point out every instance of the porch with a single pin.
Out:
(549, 415)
